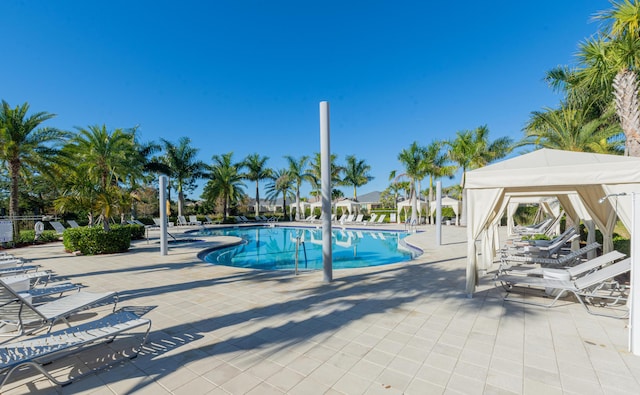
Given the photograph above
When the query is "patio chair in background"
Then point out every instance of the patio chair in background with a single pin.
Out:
(37, 352)
(58, 227)
(182, 221)
(73, 223)
(193, 220)
(380, 220)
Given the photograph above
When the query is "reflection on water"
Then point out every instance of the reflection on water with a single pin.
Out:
(275, 248)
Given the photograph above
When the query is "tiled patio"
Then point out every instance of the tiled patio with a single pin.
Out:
(402, 328)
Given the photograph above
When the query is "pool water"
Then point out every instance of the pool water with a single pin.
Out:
(273, 248)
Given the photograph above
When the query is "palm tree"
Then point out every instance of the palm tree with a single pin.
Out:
(356, 174)
(182, 167)
(573, 128)
(257, 171)
(107, 159)
(610, 64)
(435, 164)
(26, 149)
(225, 182)
(298, 173)
(472, 150)
(281, 184)
(411, 159)
(316, 173)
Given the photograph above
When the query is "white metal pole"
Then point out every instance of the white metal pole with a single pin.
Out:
(325, 170)
(634, 293)
(163, 182)
(438, 213)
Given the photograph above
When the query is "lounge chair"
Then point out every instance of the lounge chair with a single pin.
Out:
(359, 219)
(533, 229)
(545, 251)
(371, 220)
(58, 227)
(380, 220)
(157, 222)
(37, 352)
(568, 273)
(193, 220)
(17, 311)
(182, 221)
(73, 223)
(562, 260)
(594, 288)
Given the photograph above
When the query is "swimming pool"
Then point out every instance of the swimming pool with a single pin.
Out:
(273, 248)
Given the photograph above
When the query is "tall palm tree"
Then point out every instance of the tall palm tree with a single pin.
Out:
(182, 166)
(257, 171)
(573, 128)
(610, 65)
(281, 184)
(225, 182)
(299, 173)
(24, 148)
(411, 158)
(356, 174)
(435, 164)
(315, 169)
(471, 149)
(107, 159)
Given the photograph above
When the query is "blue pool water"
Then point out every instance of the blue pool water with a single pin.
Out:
(274, 248)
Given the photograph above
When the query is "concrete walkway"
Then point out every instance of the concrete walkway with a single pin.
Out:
(396, 329)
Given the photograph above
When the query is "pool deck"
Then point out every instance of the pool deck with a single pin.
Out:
(396, 329)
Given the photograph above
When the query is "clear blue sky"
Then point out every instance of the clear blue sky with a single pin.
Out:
(247, 76)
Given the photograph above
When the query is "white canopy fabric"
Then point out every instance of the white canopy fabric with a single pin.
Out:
(406, 206)
(546, 172)
(448, 202)
(303, 207)
(350, 205)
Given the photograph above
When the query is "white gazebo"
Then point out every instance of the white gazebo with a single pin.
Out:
(346, 204)
(596, 186)
(446, 201)
(303, 207)
(405, 206)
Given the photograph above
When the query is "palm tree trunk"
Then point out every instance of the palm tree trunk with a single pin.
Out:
(14, 210)
(414, 203)
(180, 201)
(257, 199)
(625, 90)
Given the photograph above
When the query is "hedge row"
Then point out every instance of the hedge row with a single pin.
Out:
(95, 240)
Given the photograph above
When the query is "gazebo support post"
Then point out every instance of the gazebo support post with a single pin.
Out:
(325, 170)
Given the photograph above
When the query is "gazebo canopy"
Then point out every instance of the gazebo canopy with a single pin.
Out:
(350, 205)
(585, 177)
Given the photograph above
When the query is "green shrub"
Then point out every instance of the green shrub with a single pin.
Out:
(93, 241)
(28, 236)
(137, 231)
(622, 244)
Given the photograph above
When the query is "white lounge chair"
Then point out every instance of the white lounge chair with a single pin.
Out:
(593, 287)
(371, 220)
(193, 220)
(17, 311)
(73, 223)
(533, 229)
(182, 221)
(380, 219)
(568, 273)
(37, 352)
(562, 260)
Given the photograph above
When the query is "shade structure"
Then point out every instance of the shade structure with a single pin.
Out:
(405, 206)
(585, 177)
(447, 201)
(351, 206)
